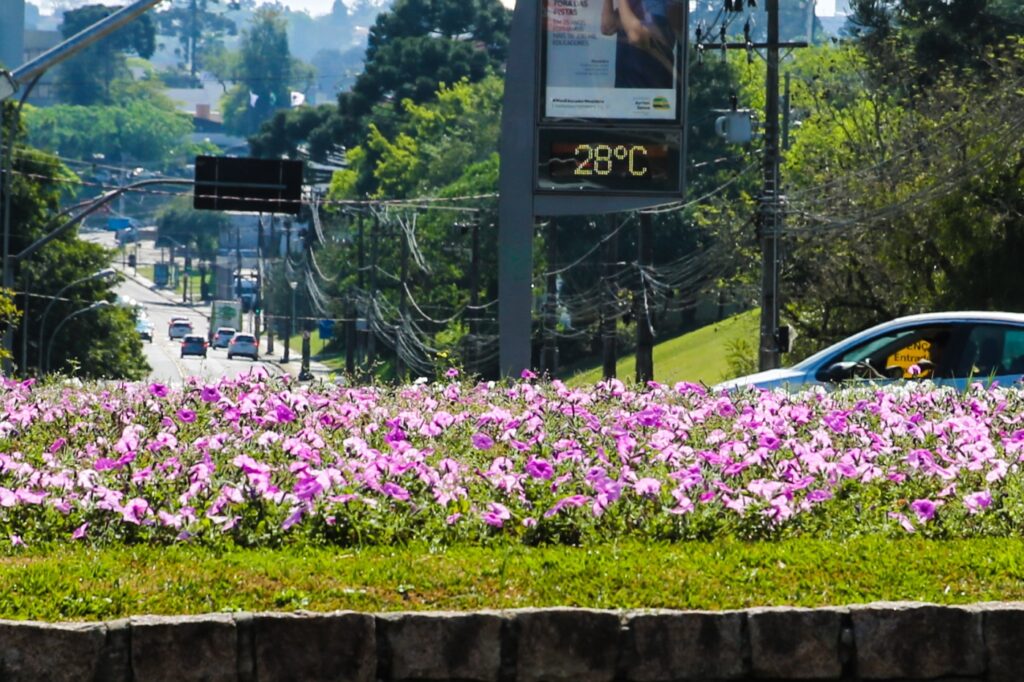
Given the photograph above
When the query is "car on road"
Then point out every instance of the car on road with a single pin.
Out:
(145, 329)
(179, 330)
(949, 348)
(244, 345)
(193, 345)
(222, 337)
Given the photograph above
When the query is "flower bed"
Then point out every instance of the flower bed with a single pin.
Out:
(260, 461)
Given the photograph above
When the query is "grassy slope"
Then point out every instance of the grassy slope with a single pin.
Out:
(699, 356)
(76, 583)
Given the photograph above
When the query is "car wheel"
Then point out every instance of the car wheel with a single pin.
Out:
(182, 355)
(230, 356)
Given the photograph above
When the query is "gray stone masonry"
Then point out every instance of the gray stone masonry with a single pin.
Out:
(890, 642)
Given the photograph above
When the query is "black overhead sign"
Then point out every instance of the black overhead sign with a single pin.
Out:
(247, 184)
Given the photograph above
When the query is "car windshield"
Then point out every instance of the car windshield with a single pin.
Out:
(243, 339)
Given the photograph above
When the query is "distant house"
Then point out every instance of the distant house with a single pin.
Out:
(203, 104)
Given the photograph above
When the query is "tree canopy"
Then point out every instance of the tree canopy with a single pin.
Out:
(88, 77)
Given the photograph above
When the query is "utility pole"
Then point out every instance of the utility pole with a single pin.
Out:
(350, 322)
(371, 349)
(192, 39)
(474, 297)
(770, 214)
(403, 307)
(265, 285)
(549, 350)
(608, 319)
(770, 210)
(644, 330)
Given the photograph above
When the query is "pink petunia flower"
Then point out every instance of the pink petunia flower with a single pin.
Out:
(925, 509)
(159, 390)
(647, 486)
(79, 532)
(978, 502)
(186, 415)
(481, 441)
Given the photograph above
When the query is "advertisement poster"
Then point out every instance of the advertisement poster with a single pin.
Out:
(612, 59)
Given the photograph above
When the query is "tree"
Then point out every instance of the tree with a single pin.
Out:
(182, 223)
(139, 131)
(105, 346)
(412, 49)
(88, 76)
(264, 73)
(199, 30)
(897, 205)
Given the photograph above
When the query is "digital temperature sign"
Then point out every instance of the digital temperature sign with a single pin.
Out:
(616, 161)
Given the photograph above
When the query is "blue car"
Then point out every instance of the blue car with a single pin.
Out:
(951, 349)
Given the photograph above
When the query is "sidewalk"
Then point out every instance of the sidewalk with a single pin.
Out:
(318, 370)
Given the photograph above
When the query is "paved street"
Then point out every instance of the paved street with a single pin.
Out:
(163, 354)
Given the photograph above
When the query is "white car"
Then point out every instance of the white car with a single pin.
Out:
(179, 329)
(223, 337)
(953, 348)
(244, 345)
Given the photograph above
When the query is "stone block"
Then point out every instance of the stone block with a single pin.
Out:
(566, 645)
(115, 663)
(442, 646)
(663, 646)
(201, 648)
(1003, 633)
(917, 641)
(315, 647)
(55, 652)
(797, 644)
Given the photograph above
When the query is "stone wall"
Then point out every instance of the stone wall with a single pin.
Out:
(882, 641)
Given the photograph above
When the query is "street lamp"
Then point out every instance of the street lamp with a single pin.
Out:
(92, 306)
(106, 272)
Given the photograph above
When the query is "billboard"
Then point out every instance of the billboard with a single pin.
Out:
(612, 59)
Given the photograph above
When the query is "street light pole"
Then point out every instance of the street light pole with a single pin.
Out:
(107, 272)
(291, 325)
(30, 72)
(92, 306)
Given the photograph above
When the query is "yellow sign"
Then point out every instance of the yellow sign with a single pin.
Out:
(911, 355)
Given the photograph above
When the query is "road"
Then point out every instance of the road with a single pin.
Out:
(163, 354)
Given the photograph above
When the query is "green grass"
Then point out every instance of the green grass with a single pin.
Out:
(699, 356)
(77, 583)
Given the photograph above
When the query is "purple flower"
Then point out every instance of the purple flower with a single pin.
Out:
(978, 502)
(481, 441)
(210, 394)
(538, 468)
(159, 390)
(186, 415)
(284, 413)
(80, 531)
(925, 509)
(527, 374)
(647, 486)
(452, 373)
(497, 515)
(395, 491)
(135, 511)
(16, 541)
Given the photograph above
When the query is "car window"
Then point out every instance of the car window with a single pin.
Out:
(991, 350)
(894, 354)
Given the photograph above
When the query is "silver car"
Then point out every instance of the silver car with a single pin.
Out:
(244, 345)
(953, 349)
